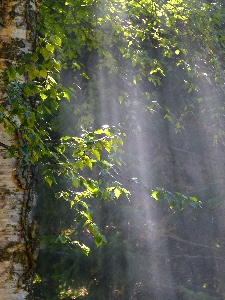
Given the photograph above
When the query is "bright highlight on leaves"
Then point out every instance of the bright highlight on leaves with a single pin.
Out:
(176, 200)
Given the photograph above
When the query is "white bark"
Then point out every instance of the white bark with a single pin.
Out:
(17, 31)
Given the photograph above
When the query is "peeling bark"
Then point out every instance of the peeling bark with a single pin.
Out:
(17, 186)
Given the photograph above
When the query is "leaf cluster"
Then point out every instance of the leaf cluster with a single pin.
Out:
(33, 93)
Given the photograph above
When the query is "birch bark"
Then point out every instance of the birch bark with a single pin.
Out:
(17, 36)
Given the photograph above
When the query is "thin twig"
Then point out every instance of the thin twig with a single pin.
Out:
(4, 146)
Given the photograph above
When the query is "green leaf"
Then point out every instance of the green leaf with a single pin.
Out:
(120, 99)
(84, 75)
(11, 72)
(194, 199)
(98, 241)
(49, 179)
(43, 96)
(45, 53)
(155, 195)
(66, 95)
(62, 239)
(117, 193)
(96, 153)
(99, 131)
(54, 155)
(50, 48)
(57, 40)
(43, 73)
(24, 151)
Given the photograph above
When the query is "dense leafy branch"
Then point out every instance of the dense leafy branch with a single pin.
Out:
(24, 111)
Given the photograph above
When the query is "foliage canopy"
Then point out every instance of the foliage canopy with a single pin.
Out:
(137, 46)
(131, 39)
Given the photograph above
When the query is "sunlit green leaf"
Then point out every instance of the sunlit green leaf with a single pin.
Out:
(49, 179)
(155, 195)
(50, 47)
(117, 193)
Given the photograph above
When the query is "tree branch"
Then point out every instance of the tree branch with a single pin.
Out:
(189, 242)
(4, 146)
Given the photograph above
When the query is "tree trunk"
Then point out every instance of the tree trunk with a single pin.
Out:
(17, 36)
